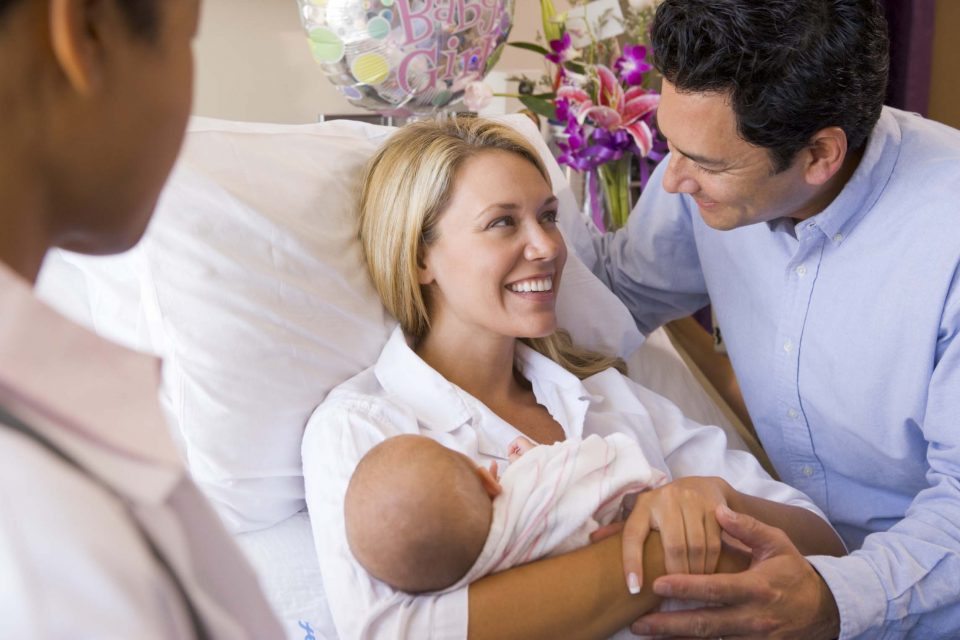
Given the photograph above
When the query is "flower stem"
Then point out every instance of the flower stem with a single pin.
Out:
(615, 177)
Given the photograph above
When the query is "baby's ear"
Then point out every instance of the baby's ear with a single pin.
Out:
(488, 478)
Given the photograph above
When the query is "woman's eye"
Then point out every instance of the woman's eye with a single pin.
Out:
(505, 221)
(550, 216)
(706, 170)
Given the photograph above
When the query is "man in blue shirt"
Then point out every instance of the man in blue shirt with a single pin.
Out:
(824, 229)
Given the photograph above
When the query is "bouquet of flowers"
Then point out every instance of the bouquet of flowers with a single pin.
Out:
(600, 95)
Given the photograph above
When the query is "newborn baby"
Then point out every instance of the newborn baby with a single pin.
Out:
(421, 517)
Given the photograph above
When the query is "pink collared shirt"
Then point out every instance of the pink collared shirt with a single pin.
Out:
(72, 563)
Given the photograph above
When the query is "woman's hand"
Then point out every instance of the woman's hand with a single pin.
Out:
(684, 512)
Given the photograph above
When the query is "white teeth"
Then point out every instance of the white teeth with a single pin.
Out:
(543, 284)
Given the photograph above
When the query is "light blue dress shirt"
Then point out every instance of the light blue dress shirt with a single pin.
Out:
(843, 334)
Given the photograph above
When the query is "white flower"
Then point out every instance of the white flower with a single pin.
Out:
(477, 95)
(575, 79)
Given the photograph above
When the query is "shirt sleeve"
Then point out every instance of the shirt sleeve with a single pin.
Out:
(904, 582)
(652, 263)
(338, 434)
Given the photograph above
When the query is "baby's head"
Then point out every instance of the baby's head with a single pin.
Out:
(418, 514)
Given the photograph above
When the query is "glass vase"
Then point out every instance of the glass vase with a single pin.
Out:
(615, 182)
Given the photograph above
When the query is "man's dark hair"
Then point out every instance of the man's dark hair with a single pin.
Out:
(141, 14)
(791, 67)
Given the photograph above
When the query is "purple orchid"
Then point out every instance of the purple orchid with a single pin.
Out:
(561, 50)
(633, 64)
(615, 110)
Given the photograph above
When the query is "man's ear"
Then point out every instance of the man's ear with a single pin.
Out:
(824, 155)
(76, 36)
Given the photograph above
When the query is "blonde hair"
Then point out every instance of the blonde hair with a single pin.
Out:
(407, 186)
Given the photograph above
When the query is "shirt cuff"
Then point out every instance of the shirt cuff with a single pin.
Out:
(450, 618)
(857, 590)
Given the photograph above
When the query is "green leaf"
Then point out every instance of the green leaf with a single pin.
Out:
(576, 67)
(493, 59)
(529, 46)
(540, 106)
(548, 15)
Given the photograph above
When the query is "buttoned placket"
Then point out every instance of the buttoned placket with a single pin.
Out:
(803, 470)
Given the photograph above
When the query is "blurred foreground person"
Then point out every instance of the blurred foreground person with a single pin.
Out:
(102, 534)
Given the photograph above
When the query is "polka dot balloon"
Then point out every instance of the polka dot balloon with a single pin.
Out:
(405, 57)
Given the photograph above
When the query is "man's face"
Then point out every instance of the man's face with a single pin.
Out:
(732, 181)
(156, 105)
(135, 128)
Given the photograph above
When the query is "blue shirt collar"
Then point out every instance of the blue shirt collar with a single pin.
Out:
(864, 188)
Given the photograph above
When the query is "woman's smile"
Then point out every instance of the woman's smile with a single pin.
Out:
(540, 285)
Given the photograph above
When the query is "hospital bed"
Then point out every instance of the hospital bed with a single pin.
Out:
(250, 284)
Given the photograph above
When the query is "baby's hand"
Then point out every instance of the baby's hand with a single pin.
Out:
(517, 448)
(683, 511)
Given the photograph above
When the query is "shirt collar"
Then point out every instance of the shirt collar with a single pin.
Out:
(402, 373)
(561, 392)
(864, 187)
(102, 395)
(442, 406)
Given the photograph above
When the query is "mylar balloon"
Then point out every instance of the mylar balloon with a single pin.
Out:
(402, 57)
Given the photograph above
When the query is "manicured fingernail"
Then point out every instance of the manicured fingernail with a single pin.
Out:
(662, 589)
(633, 583)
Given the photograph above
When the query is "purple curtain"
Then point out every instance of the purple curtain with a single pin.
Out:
(911, 53)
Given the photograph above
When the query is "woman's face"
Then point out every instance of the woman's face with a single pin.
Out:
(495, 265)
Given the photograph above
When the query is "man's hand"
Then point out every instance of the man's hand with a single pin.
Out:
(779, 596)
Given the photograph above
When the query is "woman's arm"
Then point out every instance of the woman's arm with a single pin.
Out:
(580, 594)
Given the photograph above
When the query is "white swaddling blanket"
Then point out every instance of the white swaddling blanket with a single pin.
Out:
(555, 496)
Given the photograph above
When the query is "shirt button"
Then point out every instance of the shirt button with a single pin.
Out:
(788, 346)
(838, 237)
(807, 470)
(802, 270)
(792, 414)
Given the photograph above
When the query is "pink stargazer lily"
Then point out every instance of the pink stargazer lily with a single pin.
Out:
(615, 109)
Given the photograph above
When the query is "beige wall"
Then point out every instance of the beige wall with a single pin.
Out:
(945, 83)
(253, 62)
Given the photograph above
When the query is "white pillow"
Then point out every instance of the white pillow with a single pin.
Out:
(253, 273)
